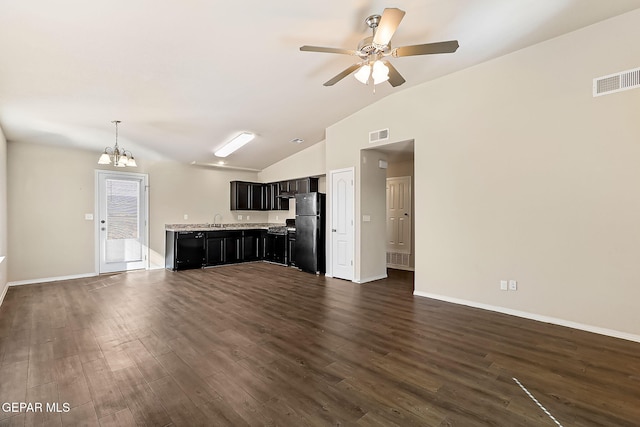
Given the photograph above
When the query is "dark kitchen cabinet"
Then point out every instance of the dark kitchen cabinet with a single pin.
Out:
(276, 248)
(223, 247)
(306, 185)
(283, 186)
(233, 248)
(275, 202)
(247, 196)
(274, 196)
(252, 245)
(214, 250)
(291, 248)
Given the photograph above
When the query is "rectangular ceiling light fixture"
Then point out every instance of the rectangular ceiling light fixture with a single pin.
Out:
(234, 144)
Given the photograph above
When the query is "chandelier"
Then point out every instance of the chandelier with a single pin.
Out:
(119, 156)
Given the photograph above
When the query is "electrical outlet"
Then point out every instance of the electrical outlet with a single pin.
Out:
(88, 216)
(239, 217)
(277, 217)
(513, 285)
(504, 285)
(186, 216)
(248, 217)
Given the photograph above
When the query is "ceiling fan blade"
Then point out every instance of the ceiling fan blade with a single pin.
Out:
(327, 50)
(427, 49)
(342, 75)
(389, 22)
(395, 79)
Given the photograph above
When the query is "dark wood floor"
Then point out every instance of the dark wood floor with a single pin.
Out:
(261, 344)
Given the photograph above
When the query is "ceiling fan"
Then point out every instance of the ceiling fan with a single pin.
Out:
(372, 51)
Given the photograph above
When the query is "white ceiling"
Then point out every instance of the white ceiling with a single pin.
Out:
(184, 77)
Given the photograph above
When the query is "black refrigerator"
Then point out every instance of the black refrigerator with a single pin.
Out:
(310, 232)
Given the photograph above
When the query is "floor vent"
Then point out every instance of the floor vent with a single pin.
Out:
(617, 82)
(397, 258)
(378, 135)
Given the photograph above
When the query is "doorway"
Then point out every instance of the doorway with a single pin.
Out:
(122, 221)
(399, 162)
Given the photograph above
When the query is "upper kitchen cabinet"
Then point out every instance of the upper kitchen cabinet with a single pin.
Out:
(306, 185)
(254, 196)
(275, 201)
(247, 196)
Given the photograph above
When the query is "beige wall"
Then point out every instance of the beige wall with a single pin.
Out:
(373, 216)
(402, 169)
(51, 188)
(521, 174)
(308, 162)
(3, 215)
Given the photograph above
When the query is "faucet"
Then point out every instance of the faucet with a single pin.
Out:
(214, 220)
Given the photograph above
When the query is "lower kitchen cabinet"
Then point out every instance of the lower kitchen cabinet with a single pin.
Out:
(276, 248)
(186, 250)
(214, 250)
(223, 247)
(291, 249)
(253, 245)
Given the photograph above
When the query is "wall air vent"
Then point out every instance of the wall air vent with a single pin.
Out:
(398, 259)
(617, 82)
(378, 135)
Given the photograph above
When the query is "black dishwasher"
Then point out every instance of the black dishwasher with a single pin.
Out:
(184, 249)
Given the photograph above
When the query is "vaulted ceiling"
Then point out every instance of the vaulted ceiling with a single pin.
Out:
(185, 77)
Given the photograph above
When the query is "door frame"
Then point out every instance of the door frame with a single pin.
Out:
(329, 250)
(96, 215)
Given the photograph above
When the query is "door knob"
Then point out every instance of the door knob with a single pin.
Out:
(333, 230)
(102, 222)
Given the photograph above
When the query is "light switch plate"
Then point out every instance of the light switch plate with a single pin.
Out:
(504, 285)
(513, 285)
(366, 218)
(88, 217)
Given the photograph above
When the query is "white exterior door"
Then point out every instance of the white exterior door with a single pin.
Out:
(122, 221)
(342, 226)
(399, 215)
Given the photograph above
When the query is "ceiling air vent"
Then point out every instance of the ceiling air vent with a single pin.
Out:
(378, 135)
(617, 82)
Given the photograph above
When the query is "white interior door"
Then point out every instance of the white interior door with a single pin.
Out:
(399, 215)
(342, 227)
(122, 221)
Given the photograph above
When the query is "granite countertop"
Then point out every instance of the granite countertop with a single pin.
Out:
(218, 227)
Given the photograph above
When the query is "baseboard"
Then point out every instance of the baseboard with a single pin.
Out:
(156, 267)
(51, 279)
(546, 319)
(371, 279)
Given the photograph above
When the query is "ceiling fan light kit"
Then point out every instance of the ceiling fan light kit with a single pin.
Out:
(373, 49)
(118, 156)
